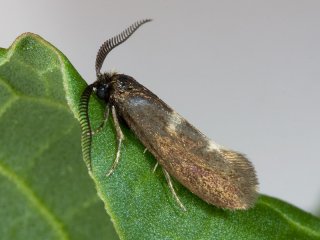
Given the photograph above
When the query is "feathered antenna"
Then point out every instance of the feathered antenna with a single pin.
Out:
(111, 43)
(86, 137)
(107, 46)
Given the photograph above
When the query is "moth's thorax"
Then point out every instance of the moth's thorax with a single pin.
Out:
(124, 87)
(116, 89)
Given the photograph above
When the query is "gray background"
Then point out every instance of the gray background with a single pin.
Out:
(246, 73)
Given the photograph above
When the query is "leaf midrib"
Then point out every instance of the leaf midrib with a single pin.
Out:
(35, 200)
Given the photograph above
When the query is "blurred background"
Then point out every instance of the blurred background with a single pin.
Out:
(246, 73)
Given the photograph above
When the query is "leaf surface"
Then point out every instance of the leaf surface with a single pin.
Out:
(45, 189)
(48, 190)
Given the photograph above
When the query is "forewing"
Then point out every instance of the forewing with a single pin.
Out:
(217, 175)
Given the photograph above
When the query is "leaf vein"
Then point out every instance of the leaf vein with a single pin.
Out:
(289, 220)
(7, 105)
(38, 99)
(34, 199)
(44, 147)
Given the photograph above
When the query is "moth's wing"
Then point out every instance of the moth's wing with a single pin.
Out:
(219, 176)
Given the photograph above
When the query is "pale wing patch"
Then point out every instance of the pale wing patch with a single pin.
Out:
(139, 101)
(174, 121)
(212, 146)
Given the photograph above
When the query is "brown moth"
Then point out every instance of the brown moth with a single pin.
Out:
(217, 175)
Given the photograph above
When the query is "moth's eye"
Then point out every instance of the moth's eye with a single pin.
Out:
(102, 91)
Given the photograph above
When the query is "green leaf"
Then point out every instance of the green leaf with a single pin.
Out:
(138, 200)
(45, 189)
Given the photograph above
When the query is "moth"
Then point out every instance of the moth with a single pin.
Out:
(219, 176)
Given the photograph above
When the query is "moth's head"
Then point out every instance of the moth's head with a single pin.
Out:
(103, 85)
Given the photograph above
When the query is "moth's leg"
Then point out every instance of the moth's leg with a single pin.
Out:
(120, 138)
(104, 121)
(168, 178)
(155, 167)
